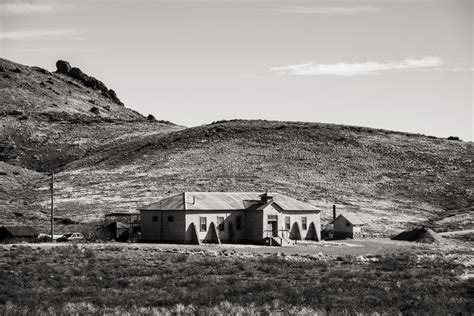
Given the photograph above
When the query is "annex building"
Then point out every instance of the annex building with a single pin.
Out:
(229, 217)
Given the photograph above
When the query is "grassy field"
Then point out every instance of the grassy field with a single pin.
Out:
(113, 278)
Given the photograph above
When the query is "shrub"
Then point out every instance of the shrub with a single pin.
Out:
(95, 110)
(42, 281)
(181, 258)
(453, 138)
(150, 117)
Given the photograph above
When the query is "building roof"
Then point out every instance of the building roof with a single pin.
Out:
(21, 231)
(121, 214)
(354, 220)
(118, 225)
(226, 201)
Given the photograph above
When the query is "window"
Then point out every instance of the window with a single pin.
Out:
(202, 224)
(238, 222)
(304, 222)
(287, 223)
(272, 217)
(220, 223)
(154, 218)
(170, 219)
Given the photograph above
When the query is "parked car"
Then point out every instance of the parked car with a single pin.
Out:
(71, 237)
(47, 238)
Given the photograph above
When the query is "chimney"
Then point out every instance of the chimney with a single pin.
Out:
(265, 198)
(334, 211)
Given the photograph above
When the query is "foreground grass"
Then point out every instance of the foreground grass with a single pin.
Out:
(80, 280)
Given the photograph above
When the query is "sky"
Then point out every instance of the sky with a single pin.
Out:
(399, 65)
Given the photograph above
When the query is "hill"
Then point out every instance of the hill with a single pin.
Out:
(390, 179)
(48, 119)
(110, 158)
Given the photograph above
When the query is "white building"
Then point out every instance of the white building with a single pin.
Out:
(233, 217)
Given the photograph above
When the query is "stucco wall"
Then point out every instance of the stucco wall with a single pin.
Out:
(295, 217)
(254, 226)
(340, 225)
(343, 229)
(211, 216)
(310, 218)
(162, 230)
(150, 231)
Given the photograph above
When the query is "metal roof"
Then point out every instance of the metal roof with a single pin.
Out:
(223, 201)
(121, 214)
(354, 220)
(21, 231)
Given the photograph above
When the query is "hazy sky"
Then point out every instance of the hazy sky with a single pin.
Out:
(401, 65)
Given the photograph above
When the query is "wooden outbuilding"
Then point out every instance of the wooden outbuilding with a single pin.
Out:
(229, 217)
(123, 226)
(18, 233)
(346, 226)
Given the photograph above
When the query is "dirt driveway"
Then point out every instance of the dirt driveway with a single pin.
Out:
(331, 248)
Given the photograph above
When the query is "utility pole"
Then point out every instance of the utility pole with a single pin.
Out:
(52, 206)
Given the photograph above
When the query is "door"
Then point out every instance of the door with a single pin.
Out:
(272, 224)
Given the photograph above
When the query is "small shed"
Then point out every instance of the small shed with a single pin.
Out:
(118, 231)
(18, 233)
(123, 226)
(346, 226)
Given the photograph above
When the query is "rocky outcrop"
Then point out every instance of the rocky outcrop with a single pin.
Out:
(77, 73)
(64, 67)
(95, 84)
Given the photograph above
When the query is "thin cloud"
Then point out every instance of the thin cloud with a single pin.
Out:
(359, 69)
(39, 34)
(329, 10)
(18, 8)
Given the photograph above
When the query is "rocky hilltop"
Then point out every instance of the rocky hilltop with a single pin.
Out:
(63, 67)
(48, 119)
(64, 95)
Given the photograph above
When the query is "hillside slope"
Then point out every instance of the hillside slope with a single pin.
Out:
(48, 119)
(19, 197)
(110, 158)
(385, 177)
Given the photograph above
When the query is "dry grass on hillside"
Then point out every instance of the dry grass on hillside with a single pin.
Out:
(18, 197)
(120, 160)
(392, 178)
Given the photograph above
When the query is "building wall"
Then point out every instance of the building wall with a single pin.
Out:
(295, 217)
(163, 230)
(314, 218)
(343, 229)
(254, 226)
(211, 216)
